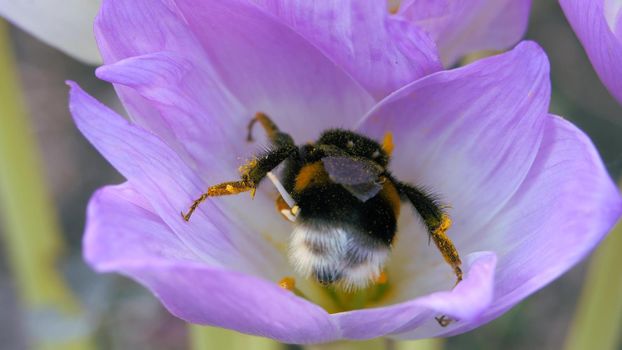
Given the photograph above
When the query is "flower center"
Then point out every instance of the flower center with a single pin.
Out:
(335, 300)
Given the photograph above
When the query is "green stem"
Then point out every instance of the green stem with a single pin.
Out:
(597, 323)
(423, 344)
(207, 338)
(372, 344)
(380, 343)
(32, 236)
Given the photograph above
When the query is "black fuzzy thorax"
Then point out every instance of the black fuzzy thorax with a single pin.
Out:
(330, 205)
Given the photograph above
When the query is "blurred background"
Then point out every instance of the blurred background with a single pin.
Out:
(122, 315)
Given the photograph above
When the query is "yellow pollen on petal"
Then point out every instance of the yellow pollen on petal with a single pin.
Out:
(387, 143)
(288, 283)
(394, 6)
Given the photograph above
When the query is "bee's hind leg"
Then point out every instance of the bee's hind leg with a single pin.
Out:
(437, 223)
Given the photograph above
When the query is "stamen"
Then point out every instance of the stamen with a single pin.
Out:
(288, 283)
(382, 278)
(393, 6)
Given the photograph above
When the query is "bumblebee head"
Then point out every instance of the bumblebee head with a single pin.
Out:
(355, 145)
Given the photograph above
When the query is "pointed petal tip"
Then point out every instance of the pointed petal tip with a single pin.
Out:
(473, 295)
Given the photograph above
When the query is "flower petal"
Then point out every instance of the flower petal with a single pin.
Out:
(589, 19)
(474, 152)
(124, 235)
(285, 76)
(185, 102)
(565, 206)
(122, 228)
(466, 301)
(163, 179)
(271, 68)
(463, 26)
(66, 25)
(380, 51)
(165, 81)
(204, 295)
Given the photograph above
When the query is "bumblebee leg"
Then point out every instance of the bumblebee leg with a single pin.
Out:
(437, 223)
(278, 138)
(223, 189)
(252, 173)
(266, 122)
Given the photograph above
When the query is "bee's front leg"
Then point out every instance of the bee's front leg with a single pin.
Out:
(252, 173)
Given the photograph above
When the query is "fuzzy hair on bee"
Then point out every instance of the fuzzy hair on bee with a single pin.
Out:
(343, 203)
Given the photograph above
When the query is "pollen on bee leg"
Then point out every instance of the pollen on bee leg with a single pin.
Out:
(446, 246)
(288, 283)
(247, 167)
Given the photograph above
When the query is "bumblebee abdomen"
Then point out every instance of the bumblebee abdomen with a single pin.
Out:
(332, 205)
(339, 238)
(332, 254)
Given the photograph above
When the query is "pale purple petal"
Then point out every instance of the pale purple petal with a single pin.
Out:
(380, 51)
(224, 50)
(470, 135)
(204, 295)
(185, 103)
(464, 26)
(65, 25)
(169, 186)
(596, 23)
(124, 235)
(273, 69)
(465, 302)
(543, 199)
(122, 228)
(565, 206)
(166, 84)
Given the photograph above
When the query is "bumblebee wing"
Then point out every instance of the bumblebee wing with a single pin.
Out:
(361, 177)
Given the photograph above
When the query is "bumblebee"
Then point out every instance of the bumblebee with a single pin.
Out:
(343, 201)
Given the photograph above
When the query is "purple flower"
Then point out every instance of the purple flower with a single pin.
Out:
(598, 24)
(529, 194)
